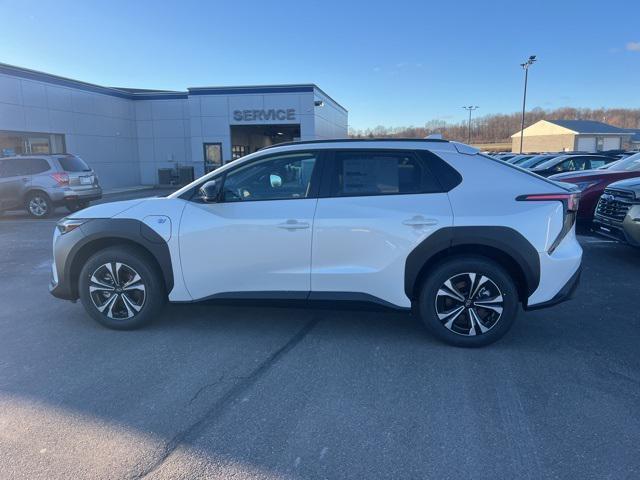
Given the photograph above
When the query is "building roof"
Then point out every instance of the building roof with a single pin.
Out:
(588, 126)
(150, 94)
(569, 127)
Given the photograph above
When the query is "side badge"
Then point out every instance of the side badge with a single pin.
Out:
(160, 224)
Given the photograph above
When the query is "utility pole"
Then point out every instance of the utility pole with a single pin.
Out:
(470, 109)
(525, 66)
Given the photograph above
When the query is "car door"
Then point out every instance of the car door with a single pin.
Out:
(375, 207)
(256, 239)
(14, 181)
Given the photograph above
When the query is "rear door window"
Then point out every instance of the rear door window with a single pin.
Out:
(15, 167)
(365, 173)
(73, 164)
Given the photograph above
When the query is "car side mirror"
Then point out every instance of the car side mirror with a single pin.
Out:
(275, 180)
(210, 191)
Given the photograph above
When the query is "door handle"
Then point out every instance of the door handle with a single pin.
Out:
(293, 225)
(420, 221)
(25, 179)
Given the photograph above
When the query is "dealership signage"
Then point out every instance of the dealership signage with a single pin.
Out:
(271, 114)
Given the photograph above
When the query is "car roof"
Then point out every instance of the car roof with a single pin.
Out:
(434, 144)
(38, 155)
(356, 140)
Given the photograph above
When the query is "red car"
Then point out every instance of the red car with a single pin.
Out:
(593, 182)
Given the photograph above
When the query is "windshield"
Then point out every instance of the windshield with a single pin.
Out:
(551, 162)
(520, 160)
(538, 159)
(73, 164)
(629, 164)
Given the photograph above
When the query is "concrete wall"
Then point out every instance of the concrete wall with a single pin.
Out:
(211, 115)
(544, 143)
(99, 128)
(330, 120)
(163, 134)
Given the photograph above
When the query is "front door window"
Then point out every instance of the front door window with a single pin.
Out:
(274, 178)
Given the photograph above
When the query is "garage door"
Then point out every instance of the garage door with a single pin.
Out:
(587, 144)
(611, 143)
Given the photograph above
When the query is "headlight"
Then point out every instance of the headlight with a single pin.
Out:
(582, 186)
(67, 225)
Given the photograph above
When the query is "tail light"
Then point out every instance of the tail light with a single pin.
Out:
(570, 201)
(61, 179)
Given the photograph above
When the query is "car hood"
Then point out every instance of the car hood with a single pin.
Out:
(628, 184)
(107, 210)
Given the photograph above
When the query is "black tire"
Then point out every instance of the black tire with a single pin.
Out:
(483, 319)
(76, 206)
(116, 315)
(38, 205)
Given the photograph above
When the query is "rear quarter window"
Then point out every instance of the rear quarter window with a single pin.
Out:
(73, 164)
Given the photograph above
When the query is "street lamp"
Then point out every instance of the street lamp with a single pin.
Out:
(525, 66)
(470, 109)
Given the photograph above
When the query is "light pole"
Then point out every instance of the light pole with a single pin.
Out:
(470, 109)
(525, 66)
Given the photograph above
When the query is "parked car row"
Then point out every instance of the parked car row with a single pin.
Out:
(39, 183)
(609, 184)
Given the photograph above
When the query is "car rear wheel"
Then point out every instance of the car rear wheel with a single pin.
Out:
(121, 288)
(38, 205)
(468, 301)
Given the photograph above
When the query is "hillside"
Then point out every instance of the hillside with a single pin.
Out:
(499, 128)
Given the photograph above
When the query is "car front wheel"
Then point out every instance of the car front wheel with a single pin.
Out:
(121, 288)
(468, 301)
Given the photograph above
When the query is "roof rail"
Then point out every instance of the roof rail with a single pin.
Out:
(355, 140)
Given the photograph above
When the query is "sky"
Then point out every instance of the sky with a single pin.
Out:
(392, 63)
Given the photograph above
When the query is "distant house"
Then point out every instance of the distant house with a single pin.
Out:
(570, 135)
(634, 142)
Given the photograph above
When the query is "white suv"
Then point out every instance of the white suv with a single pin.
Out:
(428, 225)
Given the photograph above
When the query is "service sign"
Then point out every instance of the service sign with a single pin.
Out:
(264, 115)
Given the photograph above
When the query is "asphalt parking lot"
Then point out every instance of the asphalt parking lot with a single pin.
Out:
(212, 391)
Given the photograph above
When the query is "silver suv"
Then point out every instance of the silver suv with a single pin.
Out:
(40, 183)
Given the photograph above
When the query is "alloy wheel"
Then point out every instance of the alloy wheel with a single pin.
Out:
(117, 290)
(469, 304)
(38, 206)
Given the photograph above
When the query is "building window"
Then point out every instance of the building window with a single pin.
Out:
(599, 144)
(26, 143)
(238, 151)
(212, 156)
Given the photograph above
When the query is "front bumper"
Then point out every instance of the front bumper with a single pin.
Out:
(627, 231)
(61, 283)
(62, 291)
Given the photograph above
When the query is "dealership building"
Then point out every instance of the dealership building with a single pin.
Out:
(135, 136)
